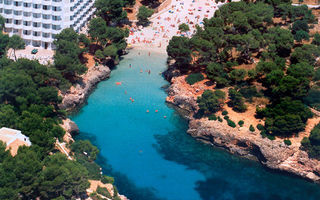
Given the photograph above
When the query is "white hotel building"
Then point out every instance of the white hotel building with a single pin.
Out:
(38, 21)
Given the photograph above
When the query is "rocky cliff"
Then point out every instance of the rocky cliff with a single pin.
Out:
(78, 93)
(272, 153)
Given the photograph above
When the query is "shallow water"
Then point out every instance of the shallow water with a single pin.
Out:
(152, 157)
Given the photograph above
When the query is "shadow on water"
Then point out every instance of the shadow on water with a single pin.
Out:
(228, 176)
(122, 182)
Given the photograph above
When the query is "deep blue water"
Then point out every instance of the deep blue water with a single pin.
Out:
(152, 157)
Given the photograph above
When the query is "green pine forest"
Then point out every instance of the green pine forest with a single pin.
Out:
(29, 102)
(272, 36)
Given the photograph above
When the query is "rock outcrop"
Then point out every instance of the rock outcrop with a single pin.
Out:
(272, 153)
(78, 94)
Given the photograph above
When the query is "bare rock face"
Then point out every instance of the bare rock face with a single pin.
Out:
(77, 94)
(182, 97)
(272, 153)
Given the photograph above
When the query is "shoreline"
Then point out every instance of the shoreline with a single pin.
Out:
(150, 47)
(72, 101)
(273, 154)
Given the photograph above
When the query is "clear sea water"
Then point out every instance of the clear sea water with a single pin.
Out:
(152, 157)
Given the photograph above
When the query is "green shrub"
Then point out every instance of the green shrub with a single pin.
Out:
(287, 142)
(231, 123)
(250, 92)
(210, 101)
(81, 146)
(226, 117)
(219, 119)
(260, 127)
(115, 191)
(271, 137)
(92, 167)
(224, 112)
(251, 128)
(143, 15)
(213, 117)
(104, 192)
(316, 76)
(116, 198)
(241, 122)
(107, 179)
(312, 143)
(264, 133)
(236, 101)
(193, 78)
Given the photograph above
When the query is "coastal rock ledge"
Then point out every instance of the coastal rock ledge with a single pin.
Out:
(78, 93)
(272, 153)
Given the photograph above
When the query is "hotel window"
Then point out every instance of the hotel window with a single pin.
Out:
(16, 3)
(46, 35)
(56, 27)
(17, 12)
(54, 8)
(53, 35)
(8, 21)
(46, 26)
(36, 33)
(36, 15)
(1, 10)
(1, 1)
(26, 23)
(36, 6)
(26, 14)
(7, 2)
(15, 30)
(46, 16)
(36, 24)
(26, 32)
(56, 18)
(17, 22)
(45, 7)
(7, 11)
(27, 5)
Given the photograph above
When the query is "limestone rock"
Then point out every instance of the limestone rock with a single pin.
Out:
(272, 153)
(77, 94)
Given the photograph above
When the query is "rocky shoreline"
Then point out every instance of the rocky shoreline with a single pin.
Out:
(78, 94)
(271, 153)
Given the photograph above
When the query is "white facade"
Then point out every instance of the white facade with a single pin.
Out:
(38, 21)
(9, 135)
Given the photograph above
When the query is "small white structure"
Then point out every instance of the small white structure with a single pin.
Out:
(13, 139)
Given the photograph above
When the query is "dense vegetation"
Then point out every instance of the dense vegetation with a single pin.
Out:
(29, 102)
(110, 41)
(312, 144)
(143, 15)
(267, 37)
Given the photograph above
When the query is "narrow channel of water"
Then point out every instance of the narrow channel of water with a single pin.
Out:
(152, 157)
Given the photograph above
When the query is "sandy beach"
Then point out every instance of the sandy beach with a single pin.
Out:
(164, 24)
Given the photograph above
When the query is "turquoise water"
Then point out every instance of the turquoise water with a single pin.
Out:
(152, 157)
